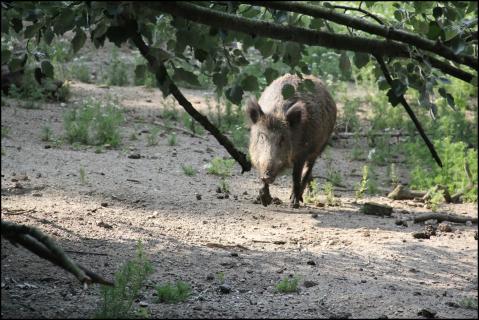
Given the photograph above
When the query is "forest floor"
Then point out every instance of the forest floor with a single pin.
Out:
(349, 264)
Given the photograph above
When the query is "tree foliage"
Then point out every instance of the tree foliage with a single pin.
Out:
(241, 47)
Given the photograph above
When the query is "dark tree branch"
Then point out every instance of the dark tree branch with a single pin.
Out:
(296, 34)
(367, 13)
(43, 246)
(162, 76)
(410, 112)
(219, 19)
(361, 24)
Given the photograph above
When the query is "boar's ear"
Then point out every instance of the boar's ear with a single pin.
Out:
(296, 114)
(254, 110)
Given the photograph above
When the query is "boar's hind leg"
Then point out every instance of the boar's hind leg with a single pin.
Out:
(296, 195)
(307, 176)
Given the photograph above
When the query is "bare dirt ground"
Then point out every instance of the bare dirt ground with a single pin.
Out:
(350, 264)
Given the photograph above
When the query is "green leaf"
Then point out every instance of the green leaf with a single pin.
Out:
(48, 36)
(398, 88)
(458, 45)
(292, 53)
(287, 91)
(249, 83)
(382, 83)
(392, 98)
(65, 21)
(450, 101)
(250, 12)
(270, 74)
(220, 79)
(434, 31)
(316, 23)
(160, 54)
(361, 59)
(100, 30)
(265, 47)
(345, 65)
(437, 12)
(420, 26)
(450, 13)
(433, 111)
(78, 40)
(117, 35)
(31, 30)
(399, 15)
(17, 24)
(15, 64)
(186, 76)
(47, 68)
(422, 6)
(200, 54)
(6, 55)
(235, 94)
(5, 26)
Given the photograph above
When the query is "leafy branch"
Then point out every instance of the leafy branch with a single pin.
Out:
(168, 86)
(387, 32)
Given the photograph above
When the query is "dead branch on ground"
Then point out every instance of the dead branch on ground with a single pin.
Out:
(43, 246)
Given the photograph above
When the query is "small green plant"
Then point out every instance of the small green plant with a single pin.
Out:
(288, 284)
(221, 167)
(468, 303)
(82, 175)
(63, 93)
(94, 124)
(367, 183)
(435, 198)
(80, 72)
(357, 153)
(117, 73)
(152, 138)
(311, 194)
(188, 170)
(169, 111)
(31, 92)
(46, 134)
(224, 186)
(5, 132)
(334, 176)
(350, 118)
(118, 300)
(173, 293)
(329, 192)
(393, 176)
(172, 139)
(459, 170)
(133, 136)
(221, 277)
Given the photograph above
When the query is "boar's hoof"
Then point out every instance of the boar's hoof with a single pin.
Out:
(291, 197)
(294, 203)
(264, 196)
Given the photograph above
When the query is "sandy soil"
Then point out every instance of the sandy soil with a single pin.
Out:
(350, 264)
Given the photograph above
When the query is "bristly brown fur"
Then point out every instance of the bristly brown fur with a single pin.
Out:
(272, 122)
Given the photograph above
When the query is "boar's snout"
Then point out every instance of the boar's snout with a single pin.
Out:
(267, 177)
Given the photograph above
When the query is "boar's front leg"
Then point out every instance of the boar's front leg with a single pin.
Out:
(296, 195)
(265, 196)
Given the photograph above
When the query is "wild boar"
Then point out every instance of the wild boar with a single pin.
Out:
(290, 133)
